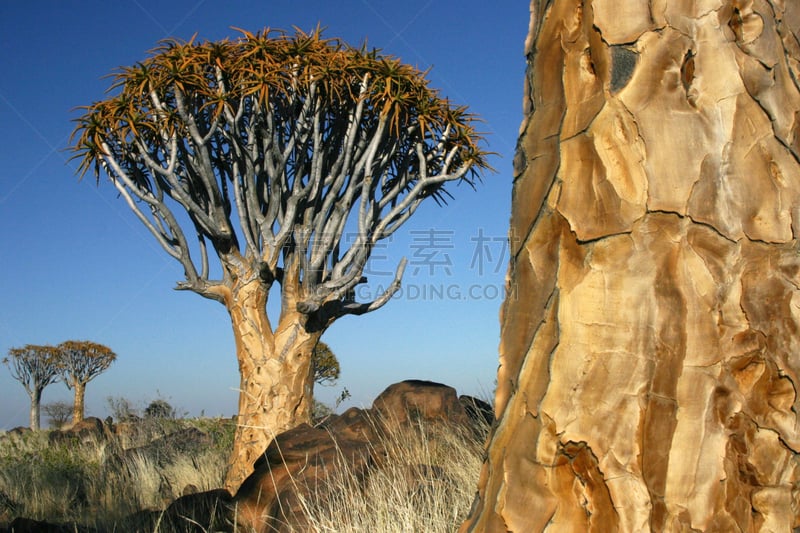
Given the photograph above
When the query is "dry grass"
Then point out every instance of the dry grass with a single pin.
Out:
(427, 484)
(97, 483)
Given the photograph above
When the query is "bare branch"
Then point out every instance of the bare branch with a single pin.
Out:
(380, 301)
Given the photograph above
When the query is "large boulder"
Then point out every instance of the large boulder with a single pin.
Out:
(296, 461)
(414, 400)
(309, 458)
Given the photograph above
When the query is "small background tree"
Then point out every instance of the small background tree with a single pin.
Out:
(58, 413)
(35, 367)
(325, 364)
(292, 156)
(326, 372)
(80, 362)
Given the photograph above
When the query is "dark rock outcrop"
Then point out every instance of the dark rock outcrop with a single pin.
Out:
(480, 412)
(199, 512)
(27, 525)
(305, 458)
(88, 431)
(18, 431)
(183, 441)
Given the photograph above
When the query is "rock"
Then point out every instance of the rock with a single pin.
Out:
(480, 413)
(18, 431)
(164, 450)
(413, 400)
(200, 512)
(27, 525)
(296, 461)
(182, 441)
(354, 424)
(309, 458)
(135, 432)
(90, 430)
(649, 355)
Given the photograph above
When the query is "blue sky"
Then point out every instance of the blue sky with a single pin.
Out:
(76, 264)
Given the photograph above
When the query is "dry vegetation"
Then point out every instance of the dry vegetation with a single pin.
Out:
(98, 483)
(427, 484)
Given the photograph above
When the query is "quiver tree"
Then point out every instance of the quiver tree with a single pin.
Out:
(35, 367)
(649, 355)
(79, 362)
(288, 158)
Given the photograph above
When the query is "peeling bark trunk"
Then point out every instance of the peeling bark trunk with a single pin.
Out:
(649, 354)
(36, 401)
(276, 375)
(78, 405)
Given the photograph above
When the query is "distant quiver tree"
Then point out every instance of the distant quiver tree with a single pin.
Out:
(288, 157)
(35, 367)
(79, 363)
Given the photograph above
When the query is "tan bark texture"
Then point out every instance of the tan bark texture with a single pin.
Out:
(649, 351)
(275, 392)
(78, 403)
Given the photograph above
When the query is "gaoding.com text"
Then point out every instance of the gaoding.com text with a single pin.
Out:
(434, 292)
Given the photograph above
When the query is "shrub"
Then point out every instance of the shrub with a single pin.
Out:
(57, 413)
(159, 408)
(121, 408)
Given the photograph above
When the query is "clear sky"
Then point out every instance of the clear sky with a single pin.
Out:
(76, 264)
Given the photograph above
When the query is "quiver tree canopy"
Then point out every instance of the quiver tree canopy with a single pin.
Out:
(288, 157)
(288, 152)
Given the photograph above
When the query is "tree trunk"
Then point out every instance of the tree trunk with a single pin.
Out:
(276, 375)
(36, 402)
(78, 405)
(649, 352)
